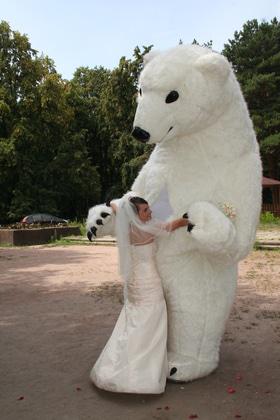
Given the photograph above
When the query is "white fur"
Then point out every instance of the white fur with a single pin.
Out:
(94, 214)
(210, 156)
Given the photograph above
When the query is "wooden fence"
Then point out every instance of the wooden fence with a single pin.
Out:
(272, 208)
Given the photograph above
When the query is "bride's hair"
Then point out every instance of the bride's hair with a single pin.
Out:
(135, 201)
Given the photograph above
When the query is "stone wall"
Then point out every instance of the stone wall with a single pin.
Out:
(36, 236)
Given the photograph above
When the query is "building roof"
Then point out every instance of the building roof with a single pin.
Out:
(268, 182)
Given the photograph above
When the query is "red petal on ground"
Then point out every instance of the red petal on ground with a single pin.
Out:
(230, 390)
(193, 416)
(166, 407)
(78, 388)
(20, 398)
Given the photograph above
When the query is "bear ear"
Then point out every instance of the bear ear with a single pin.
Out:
(150, 56)
(214, 65)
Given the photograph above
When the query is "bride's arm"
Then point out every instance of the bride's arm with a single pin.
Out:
(113, 206)
(175, 224)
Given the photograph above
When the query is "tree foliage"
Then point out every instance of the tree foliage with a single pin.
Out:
(44, 162)
(66, 145)
(108, 99)
(255, 55)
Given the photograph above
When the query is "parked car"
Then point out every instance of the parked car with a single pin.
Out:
(43, 218)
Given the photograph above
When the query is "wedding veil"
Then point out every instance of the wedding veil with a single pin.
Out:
(126, 216)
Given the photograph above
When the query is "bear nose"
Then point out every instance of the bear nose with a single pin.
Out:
(140, 134)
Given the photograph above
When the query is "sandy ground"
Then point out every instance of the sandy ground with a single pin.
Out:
(58, 308)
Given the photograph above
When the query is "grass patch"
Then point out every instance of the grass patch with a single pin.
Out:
(81, 225)
(5, 245)
(66, 241)
(269, 221)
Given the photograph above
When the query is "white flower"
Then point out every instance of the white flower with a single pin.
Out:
(228, 210)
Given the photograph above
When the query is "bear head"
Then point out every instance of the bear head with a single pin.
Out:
(181, 91)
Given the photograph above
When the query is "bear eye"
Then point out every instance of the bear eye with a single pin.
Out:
(172, 97)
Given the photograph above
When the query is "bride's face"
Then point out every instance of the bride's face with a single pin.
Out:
(144, 212)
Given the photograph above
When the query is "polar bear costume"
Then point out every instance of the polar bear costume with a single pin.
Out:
(190, 105)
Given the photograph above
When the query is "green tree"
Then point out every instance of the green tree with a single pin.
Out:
(20, 72)
(118, 106)
(208, 44)
(104, 103)
(87, 87)
(54, 173)
(44, 160)
(255, 55)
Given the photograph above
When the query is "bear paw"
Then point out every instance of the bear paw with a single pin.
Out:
(189, 369)
(99, 221)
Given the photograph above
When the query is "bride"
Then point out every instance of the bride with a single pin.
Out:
(134, 359)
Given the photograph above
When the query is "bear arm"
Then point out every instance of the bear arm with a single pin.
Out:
(213, 232)
(140, 182)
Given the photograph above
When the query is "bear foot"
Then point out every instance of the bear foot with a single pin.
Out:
(171, 373)
(190, 369)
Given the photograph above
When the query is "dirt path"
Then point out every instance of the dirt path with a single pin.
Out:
(58, 308)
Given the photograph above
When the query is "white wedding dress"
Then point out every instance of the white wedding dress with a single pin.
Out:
(134, 359)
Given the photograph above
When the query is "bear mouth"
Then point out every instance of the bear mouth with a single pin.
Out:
(164, 137)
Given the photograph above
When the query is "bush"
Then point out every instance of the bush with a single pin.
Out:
(268, 217)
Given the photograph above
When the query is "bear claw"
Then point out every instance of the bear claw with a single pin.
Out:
(93, 230)
(190, 227)
(173, 371)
